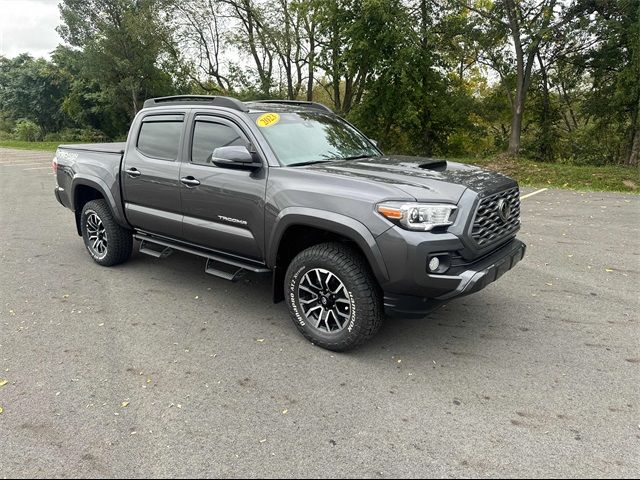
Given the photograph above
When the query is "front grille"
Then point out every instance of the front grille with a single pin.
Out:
(488, 226)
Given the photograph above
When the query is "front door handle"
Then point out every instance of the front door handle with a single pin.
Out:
(133, 172)
(190, 182)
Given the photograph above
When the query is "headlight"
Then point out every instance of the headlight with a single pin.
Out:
(417, 216)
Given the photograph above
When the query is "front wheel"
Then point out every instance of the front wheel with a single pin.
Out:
(333, 296)
(107, 242)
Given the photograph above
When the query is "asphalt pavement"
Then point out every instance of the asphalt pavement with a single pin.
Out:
(156, 369)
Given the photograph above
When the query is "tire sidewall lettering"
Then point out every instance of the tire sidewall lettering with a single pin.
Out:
(293, 297)
(352, 320)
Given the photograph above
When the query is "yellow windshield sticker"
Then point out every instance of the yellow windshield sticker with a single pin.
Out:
(268, 119)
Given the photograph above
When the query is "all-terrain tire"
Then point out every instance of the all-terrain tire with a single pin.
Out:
(352, 315)
(107, 242)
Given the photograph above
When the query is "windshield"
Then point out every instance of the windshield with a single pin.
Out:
(299, 138)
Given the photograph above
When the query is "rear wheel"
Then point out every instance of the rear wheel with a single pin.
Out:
(333, 296)
(106, 241)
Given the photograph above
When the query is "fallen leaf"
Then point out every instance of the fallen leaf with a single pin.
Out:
(259, 340)
(263, 440)
(3, 383)
(125, 404)
(608, 269)
(284, 412)
(1, 410)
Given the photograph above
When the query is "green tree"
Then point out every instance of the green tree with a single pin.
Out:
(32, 89)
(613, 66)
(124, 43)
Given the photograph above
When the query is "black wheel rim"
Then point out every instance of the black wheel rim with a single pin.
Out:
(324, 300)
(96, 235)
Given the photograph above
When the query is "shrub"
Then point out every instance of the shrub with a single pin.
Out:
(76, 135)
(27, 131)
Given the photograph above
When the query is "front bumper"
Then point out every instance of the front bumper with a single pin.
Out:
(475, 277)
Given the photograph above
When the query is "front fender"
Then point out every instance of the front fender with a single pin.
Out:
(331, 222)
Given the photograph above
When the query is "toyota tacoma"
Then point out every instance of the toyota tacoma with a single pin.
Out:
(290, 189)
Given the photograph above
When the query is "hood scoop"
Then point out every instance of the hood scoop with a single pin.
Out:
(437, 165)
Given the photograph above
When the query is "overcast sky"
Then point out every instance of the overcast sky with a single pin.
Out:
(28, 26)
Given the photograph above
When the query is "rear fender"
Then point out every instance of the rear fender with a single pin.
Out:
(101, 187)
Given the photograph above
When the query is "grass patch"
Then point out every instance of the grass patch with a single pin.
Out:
(41, 146)
(612, 178)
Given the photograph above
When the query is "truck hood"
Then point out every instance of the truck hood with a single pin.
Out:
(425, 179)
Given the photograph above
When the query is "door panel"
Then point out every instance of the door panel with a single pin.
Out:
(151, 176)
(226, 210)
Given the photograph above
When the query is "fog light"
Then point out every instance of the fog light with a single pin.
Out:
(434, 264)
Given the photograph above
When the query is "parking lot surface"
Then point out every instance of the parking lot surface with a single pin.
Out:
(154, 368)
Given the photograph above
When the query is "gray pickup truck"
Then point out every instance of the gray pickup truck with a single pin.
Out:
(290, 189)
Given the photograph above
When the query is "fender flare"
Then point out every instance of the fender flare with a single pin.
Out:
(331, 222)
(98, 184)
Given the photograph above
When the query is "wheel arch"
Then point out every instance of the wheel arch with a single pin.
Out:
(297, 228)
(86, 189)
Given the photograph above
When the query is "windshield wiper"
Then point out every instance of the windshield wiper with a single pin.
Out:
(325, 160)
(357, 157)
(312, 162)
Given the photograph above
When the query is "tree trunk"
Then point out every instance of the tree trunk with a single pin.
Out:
(524, 64)
(634, 136)
(134, 100)
(312, 54)
(425, 112)
(336, 77)
(516, 127)
(634, 156)
(546, 146)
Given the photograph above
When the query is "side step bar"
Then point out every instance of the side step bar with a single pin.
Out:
(229, 268)
(222, 270)
(154, 249)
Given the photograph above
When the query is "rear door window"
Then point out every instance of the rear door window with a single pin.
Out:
(160, 137)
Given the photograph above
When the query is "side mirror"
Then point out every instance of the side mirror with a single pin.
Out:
(375, 142)
(237, 156)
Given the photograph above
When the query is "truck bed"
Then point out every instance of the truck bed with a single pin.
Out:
(115, 147)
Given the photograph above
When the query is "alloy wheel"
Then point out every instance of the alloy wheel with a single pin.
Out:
(324, 300)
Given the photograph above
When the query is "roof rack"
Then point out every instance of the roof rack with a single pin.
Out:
(226, 102)
(299, 103)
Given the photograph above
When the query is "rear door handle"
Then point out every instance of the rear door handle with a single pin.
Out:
(190, 182)
(133, 172)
